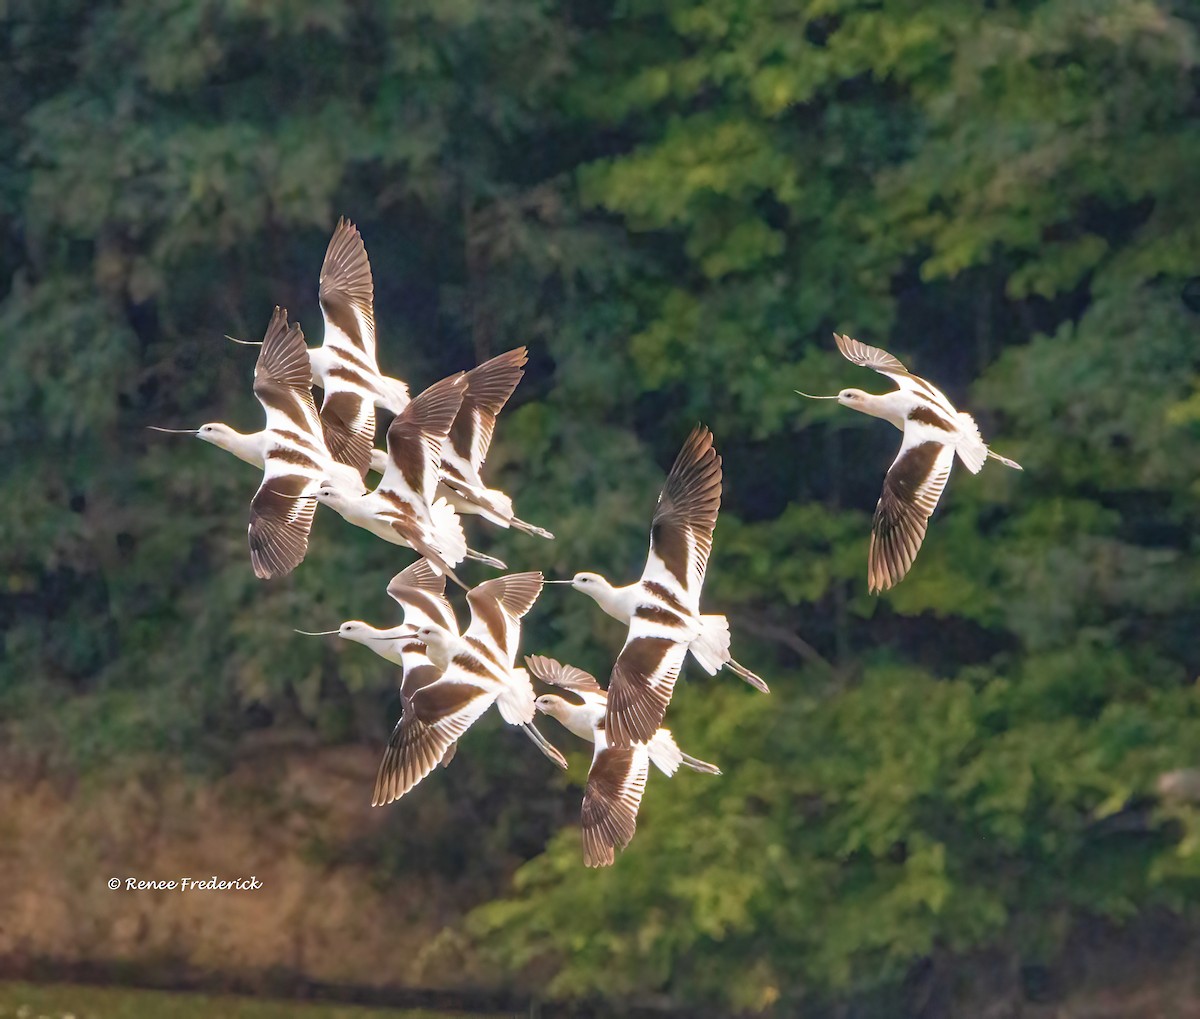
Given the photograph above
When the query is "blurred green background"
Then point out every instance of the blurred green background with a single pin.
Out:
(954, 796)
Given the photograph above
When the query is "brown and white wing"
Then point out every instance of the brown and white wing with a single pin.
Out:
(434, 718)
(283, 379)
(488, 388)
(682, 529)
(865, 356)
(421, 592)
(348, 423)
(611, 799)
(419, 671)
(640, 686)
(911, 491)
(497, 607)
(566, 676)
(881, 361)
(280, 519)
(415, 438)
(347, 295)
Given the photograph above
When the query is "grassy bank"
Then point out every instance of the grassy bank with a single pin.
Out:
(31, 1001)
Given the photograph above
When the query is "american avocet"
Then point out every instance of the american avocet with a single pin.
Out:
(420, 591)
(295, 459)
(663, 607)
(933, 432)
(251, 447)
(403, 509)
(478, 670)
(617, 776)
(345, 365)
(488, 388)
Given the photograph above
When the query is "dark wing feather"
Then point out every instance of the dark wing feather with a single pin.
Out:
(682, 529)
(566, 676)
(415, 437)
(279, 525)
(911, 490)
(615, 785)
(516, 592)
(488, 388)
(420, 575)
(640, 687)
(869, 357)
(435, 717)
(347, 289)
(348, 422)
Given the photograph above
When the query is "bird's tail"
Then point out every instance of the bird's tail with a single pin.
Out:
(711, 646)
(448, 534)
(970, 446)
(393, 394)
(665, 754)
(516, 699)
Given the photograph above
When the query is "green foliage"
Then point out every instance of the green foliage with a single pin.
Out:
(673, 205)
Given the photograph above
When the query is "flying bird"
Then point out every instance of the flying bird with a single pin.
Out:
(421, 592)
(290, 450)
(404, 508)
(933, 432)
(617, 777)
(488, 388)
(662, 608)
(345, 365)
(478, 670)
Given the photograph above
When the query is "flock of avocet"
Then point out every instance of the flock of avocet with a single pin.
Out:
(430, 473)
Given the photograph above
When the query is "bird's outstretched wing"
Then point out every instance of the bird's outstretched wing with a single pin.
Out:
(497, 607)
(881, 361)
(642, 681)
(611, 799)
(415, 438)
(682, 529)
(280, 518)
(434, 718)
(568, 677)
(911, 490)
(421, 592)
(347, 295)
(488, 388)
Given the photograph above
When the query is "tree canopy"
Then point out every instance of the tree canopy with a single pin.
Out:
(673, 205)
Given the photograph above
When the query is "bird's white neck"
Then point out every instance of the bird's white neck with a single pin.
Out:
(251, 449)
(581, 719)
(349, 504)
(443, 646)
(618, 602)
(384, 643)
(893, 407)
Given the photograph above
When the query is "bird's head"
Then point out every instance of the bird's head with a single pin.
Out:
(851, 397)
(550, 704)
